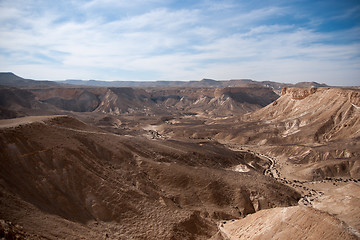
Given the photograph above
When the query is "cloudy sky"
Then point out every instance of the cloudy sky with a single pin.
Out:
(278, 40)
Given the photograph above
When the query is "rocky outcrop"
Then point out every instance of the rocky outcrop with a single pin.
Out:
(16, 102)
(259, 96)
(116, 101)
(70, 99)
(287, 223)
(313, 114)
(298, 93)
(124, 100)
(354, 97)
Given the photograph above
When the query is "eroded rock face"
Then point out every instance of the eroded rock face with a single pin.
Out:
(298, 93)
(157, 187)
(319, 115)
(355, 98)
(116, 101)
(160, 166)
(124, 100)
(71, 99)
(319, 131)
(259, 96)
(287, 223)
(16, 102)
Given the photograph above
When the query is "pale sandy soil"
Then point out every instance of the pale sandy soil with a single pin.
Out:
(286, 223)
(7, 123)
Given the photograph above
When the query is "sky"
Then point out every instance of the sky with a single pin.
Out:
(277, 40)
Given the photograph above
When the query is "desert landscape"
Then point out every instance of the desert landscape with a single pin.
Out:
(207, 159)
(180, 120)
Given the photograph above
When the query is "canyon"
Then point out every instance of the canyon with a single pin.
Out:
(235, 159)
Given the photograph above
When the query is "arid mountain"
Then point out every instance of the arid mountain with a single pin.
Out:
(313, 132)
(204, 83)
(310, 84)
(125, 100)
(10, 79)
(70, 99)
(284, 223)
(184, 160)
(16, 102)
(123, 186)
(213, 101)
(312, 114)
(314, 126)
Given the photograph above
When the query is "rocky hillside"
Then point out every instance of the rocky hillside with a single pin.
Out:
(12, 80)
(318, 128)
(284, 223)
(214, 101)
(204, 83)
(70, 99)
(315, 114)
(116, 101)
(98, 183)
(16, 102)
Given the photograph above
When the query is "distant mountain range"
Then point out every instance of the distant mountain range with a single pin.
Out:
(10, 79)
(276, 86)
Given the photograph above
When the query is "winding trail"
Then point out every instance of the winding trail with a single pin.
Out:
(309, 196)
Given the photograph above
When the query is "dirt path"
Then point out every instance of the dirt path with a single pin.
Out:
(321, 195)
(308, 193)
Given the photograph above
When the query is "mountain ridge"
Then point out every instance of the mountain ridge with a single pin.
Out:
(11, 79)
(192, 161)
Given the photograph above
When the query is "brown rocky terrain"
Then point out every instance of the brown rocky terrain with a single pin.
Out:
(12, 80)
(310, 135)
(287, 223)
(323, 114)
(117, 101)
(70, 99)
(85, 175)
(316, 128)
(212, 160)
(315, 131)
(15, 102)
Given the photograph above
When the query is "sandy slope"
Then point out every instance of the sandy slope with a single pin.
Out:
(287, 223)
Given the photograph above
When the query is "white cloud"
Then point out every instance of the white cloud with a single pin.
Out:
(170, 44)
(253, 16)
(159, 18)
(121, 4)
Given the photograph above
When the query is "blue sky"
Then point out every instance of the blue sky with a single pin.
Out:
(286, 41)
